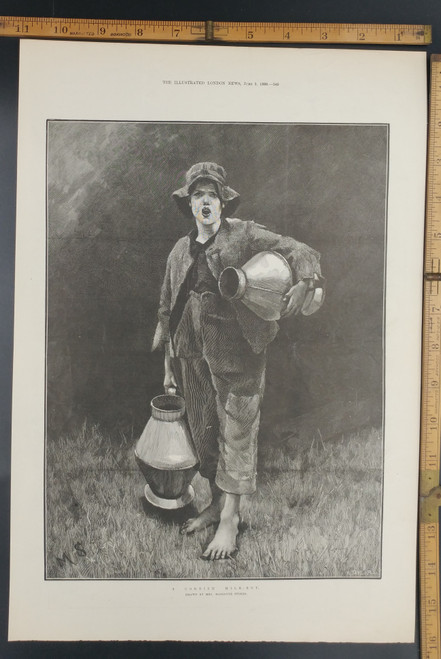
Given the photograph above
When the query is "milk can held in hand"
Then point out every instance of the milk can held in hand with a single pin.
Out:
(165, 454)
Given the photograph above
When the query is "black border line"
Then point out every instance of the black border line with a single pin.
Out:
(386, 219)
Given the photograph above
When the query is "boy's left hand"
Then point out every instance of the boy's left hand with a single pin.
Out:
(294, 299)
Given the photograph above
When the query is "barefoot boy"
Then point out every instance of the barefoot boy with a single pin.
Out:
(215, 350)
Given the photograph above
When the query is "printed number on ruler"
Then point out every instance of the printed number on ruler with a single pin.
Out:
(431, 408)
(209, 31)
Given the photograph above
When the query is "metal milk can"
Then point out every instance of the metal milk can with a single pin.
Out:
(165, 454)
(262, 283)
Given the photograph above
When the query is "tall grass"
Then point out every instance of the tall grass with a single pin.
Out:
(315, 514)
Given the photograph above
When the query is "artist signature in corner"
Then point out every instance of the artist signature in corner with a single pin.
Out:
(78, 551)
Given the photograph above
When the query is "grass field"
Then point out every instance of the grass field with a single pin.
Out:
(315, 514)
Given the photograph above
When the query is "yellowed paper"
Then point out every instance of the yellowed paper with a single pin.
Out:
(157, 84)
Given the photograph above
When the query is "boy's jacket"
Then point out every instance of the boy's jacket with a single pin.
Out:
(235, 243)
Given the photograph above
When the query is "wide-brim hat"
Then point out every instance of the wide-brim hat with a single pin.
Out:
(212, 172)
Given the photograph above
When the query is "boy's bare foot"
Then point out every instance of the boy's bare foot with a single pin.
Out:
(223, 544)
(210, 515)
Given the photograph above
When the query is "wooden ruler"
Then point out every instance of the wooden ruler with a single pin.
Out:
(210, 31)
(430, 490)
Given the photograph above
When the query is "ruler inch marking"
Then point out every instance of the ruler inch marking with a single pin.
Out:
(430, 454)
(101, 29)
(330, 32)
(210, 31)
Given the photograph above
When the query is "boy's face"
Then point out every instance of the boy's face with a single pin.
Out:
(205, 203)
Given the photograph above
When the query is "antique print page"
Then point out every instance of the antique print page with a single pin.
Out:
(217, 343)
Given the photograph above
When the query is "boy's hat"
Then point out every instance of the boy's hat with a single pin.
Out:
(212, 172)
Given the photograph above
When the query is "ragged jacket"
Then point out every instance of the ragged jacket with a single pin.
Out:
(235, 243)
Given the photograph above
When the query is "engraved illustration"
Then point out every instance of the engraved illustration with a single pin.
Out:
(210, 395)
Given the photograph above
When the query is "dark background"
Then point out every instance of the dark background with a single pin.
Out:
(372, 11)
(112, 223)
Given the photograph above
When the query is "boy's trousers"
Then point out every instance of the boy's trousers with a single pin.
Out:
(222, 381)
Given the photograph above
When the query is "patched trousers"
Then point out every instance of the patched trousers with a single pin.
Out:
(222, 381)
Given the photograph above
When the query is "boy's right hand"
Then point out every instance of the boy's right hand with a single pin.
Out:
(170, 383)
